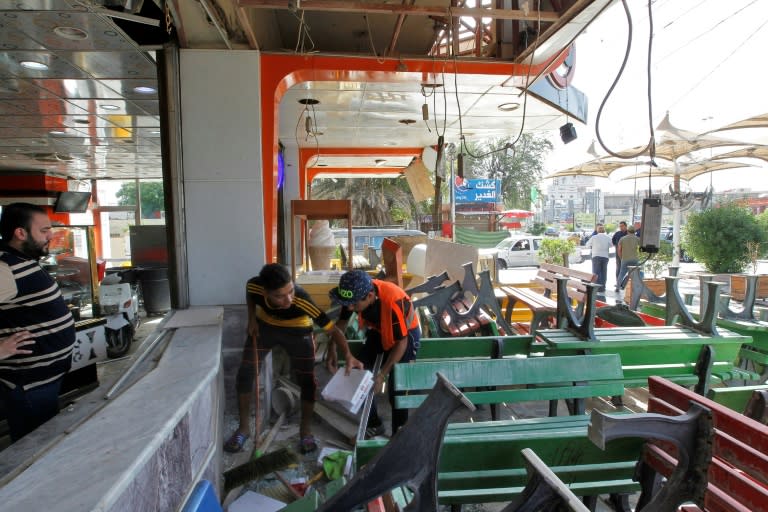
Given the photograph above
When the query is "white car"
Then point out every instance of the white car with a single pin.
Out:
(518, 251)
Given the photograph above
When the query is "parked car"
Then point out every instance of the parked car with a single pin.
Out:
(518, 251)
(667, 234)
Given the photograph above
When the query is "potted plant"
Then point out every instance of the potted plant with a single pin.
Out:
(654, 269)
(556, 250)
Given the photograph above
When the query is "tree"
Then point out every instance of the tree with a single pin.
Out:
(152, 198)
(719, 237)
(375, 201)
(519, 169)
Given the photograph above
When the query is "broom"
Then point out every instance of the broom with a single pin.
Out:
(258, 468)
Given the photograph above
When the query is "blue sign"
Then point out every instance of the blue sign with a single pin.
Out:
(477, 191)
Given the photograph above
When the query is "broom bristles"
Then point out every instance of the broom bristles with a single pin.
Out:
(259, 468)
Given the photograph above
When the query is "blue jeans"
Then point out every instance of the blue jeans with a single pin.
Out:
(600, 269)
(27, 410)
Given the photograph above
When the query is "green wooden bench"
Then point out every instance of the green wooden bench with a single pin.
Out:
(511, 380)
(752, 401)
(680, 354)
(465, 347)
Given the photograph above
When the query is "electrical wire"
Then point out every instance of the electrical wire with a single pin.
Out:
(509, 145)
(651, 146)
(302, 34)
(370, 40)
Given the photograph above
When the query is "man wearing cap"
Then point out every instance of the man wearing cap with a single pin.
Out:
(392, 328)
(280, 313)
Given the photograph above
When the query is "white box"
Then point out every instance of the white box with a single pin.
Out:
(349, 390)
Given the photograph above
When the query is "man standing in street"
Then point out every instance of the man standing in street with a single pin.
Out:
(629, 252)
(30, 300)
(621, 233)
(601, 245)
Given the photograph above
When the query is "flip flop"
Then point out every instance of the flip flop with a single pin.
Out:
(235, 443)
(307, 444)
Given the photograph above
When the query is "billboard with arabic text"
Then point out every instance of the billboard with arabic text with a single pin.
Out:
(478, 191)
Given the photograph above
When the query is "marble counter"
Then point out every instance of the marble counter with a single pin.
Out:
(146, 448)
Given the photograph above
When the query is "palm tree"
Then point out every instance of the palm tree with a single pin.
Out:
(375, 201)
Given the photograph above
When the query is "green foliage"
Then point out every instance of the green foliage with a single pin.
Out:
(660, 261)
(553, 250)
(718, 237)
(375, 201)
(538, 228)
(152, 198)
(518, 170)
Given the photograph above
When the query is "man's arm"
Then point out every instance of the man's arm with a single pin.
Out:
(395, 354)
(339, 342)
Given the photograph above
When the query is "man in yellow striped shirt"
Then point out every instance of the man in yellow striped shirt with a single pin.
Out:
(282, 313)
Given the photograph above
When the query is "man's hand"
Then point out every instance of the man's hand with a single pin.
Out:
(352, 362)
(10, 346)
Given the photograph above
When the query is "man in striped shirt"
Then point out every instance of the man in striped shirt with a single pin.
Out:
(30, 300)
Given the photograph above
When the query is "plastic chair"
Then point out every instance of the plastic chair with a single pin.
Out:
(203, 499)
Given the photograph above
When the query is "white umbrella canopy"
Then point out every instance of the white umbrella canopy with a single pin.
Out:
(760, 121)
(759, 152)
(598, 168)
(691, 171)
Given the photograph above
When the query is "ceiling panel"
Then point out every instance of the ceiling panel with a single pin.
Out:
(85, 116)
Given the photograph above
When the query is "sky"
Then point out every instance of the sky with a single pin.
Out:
(708, 70)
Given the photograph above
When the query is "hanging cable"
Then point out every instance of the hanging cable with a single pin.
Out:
(651, 146)
(370, 40)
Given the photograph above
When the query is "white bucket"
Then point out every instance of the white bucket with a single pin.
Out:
(283, 401)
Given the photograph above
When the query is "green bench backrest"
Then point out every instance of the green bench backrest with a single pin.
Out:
(456, 348)
(549, 378)
(735, 398)
(485, 457)
(645, 351)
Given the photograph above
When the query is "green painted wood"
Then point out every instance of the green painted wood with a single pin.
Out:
(482, 462)
(757, 330)
(547, 378)
(456, 348)
(735, 398)
(668, 351)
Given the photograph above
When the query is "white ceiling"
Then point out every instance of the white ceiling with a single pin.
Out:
(84, 118)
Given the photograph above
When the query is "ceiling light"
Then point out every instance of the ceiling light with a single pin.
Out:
(72, 33)
(508, 107)
(309, 101)
(379, 162)
(407, 121)
(82, 121)
(143, 89)
(35, 66)
(110, 107)
(57, 132)
(154, 132)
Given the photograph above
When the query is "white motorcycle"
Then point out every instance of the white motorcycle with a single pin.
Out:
(119, 302)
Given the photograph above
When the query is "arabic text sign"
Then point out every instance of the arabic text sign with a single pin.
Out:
(478, 191)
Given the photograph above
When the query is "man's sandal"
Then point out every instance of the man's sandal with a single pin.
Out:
(235, 443)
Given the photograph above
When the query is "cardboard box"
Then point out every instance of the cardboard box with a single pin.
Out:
(349, 390)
